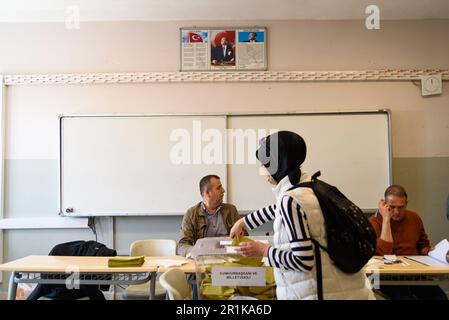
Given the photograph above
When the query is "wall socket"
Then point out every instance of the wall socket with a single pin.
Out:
(431, 85)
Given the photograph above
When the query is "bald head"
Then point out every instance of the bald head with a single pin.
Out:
(396, 190)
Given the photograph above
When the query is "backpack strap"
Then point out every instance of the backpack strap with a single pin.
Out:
(308, 184)
(316, 175)
(319, 272)
(317, 245)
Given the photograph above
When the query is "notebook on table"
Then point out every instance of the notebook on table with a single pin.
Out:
(436, 257)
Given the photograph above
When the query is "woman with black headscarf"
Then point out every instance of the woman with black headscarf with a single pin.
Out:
(297, 218)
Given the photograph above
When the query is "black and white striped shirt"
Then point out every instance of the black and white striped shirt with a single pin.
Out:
(301, 256)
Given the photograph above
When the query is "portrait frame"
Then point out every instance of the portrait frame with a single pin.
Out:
(223, 49)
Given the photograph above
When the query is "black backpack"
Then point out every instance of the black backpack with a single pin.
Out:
(60, 291)
(351, 240)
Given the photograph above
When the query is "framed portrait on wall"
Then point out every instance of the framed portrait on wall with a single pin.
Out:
(229, 49)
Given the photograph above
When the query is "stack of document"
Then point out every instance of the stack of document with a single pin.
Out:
(123, 262)
(436, 257)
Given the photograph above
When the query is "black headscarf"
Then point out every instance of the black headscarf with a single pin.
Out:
(282, 153)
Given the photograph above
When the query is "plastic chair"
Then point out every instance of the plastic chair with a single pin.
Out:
(176, 284)
(150, 247)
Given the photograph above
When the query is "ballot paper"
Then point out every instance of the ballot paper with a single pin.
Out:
(231, 249)
(436, 257)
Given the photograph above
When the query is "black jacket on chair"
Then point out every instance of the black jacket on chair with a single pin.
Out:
(59, 291)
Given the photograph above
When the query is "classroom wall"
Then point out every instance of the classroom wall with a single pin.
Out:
(420, 126)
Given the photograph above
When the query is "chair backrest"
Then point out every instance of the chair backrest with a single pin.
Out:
(176, 284)
(153, 247)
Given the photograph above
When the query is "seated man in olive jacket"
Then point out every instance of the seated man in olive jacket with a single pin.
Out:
(208, 218)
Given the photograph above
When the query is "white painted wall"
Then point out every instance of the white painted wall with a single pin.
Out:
(146, 46)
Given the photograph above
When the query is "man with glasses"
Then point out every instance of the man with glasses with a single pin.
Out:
(401, 232)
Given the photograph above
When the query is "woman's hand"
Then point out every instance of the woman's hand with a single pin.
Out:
(237, 228)
(253, 249)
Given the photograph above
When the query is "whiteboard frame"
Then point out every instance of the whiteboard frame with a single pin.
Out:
(227, 116)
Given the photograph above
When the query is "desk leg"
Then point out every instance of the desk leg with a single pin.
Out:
(12, 288)
(153, 286)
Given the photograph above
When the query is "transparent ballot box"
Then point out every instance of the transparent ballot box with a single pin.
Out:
(222, 274)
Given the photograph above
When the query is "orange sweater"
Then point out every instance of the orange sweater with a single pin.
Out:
(409, 237)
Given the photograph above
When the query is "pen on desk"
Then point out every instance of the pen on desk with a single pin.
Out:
(405, 263)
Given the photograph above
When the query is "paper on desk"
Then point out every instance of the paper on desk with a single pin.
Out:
(428, 261)
(436, 257)
(373, 261)
(440, 251)
(390, 257)
(166, 262)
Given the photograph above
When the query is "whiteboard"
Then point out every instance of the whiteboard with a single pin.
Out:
(352, 151)
(121, 165)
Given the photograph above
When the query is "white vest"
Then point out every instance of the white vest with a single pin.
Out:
(294, 285)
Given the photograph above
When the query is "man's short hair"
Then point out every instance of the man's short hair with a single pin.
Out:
(205, 182)
(396, 190)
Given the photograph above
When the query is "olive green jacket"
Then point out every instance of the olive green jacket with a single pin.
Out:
(195, 223)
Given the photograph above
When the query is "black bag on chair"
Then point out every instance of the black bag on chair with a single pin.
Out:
(60, 291)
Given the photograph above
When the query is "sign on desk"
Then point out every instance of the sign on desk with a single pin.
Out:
(238, 276)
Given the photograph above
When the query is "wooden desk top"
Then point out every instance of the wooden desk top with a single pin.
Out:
(65, 263)
(188, 267)
(36, 263)
(413, 267)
